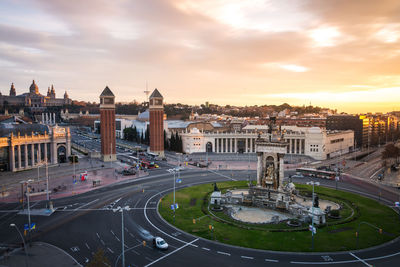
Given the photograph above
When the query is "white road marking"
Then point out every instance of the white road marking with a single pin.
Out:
(96, 234)
(85, 244)
(75, 249)
(176, 250)
(109, 249)
(101, 240)
(247, 257)
(117, 239)
(87, 204)
(363, 261)
(206, 248)
(226, 176)
(269, 260)
(110, 230)
(131, 235)
(223, 253)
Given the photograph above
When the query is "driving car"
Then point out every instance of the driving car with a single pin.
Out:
(160, 243)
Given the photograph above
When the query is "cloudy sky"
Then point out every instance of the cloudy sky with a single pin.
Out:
(337, 54)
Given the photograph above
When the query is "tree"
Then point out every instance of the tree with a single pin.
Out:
(147, 136)
(135, 135)
(165, 141)
(172, 143)
(99, 259)
(391, 151)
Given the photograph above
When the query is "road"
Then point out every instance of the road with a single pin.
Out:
(86, 222)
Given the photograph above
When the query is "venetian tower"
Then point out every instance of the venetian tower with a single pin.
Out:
(107, 125)
(156, 110)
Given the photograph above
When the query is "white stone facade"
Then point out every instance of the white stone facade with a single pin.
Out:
(314, 142)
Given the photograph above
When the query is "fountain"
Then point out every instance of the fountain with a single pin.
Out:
(269, 198)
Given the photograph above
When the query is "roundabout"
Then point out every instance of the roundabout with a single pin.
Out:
(349, 231)
(84, 223)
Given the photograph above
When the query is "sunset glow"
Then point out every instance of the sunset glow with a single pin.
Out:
(343, 55)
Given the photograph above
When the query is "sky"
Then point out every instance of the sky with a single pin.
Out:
(340, 54)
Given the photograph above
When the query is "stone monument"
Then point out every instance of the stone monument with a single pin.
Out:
(269, 191)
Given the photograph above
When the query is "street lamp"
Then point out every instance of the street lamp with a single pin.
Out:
(29, 208)
(312, 211)
(127, 208)
(174, 171)
(23, 241)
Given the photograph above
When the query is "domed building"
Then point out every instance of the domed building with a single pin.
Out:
(34, 99)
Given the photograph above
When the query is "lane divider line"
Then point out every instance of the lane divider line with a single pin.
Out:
(363, 261)
(166, 255)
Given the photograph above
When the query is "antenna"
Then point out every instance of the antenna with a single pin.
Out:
(147, 92)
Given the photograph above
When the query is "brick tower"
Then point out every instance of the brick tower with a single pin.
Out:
(156, 109)
(107, 125)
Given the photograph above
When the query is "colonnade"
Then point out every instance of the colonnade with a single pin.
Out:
(230, 145)
(27, 156)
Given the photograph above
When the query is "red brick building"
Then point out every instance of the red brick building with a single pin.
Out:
(107, 125)
(156, 109)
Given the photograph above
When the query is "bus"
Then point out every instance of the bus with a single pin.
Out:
(316, 173)
(152, 156)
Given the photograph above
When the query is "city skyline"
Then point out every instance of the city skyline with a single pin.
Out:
(339, 55)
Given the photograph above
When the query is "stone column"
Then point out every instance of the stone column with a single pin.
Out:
(236, 150)
(12, 158)
(251, 145)
(259, 169)
(26, 155)
(68, 139)
(19, 157)
(231, 145)
(33, 154)
(39, 152)
(45, 153)
(216, 145)
(53, 148)
(246, 146)
(281, 164)
(43, 118)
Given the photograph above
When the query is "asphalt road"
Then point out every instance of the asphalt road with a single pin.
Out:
(86, 222)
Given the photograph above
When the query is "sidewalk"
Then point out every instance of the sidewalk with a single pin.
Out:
(39, 255)
(64, 185)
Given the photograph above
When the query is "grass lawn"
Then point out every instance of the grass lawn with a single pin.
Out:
(337, 235)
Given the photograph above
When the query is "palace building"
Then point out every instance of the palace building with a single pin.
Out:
(33, 98)
(25, 146)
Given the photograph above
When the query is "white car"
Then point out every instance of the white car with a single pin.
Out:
(160, 243)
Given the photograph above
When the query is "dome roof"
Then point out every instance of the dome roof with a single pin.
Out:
(34, 89)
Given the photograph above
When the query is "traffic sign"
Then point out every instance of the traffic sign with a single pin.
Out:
(337, 178)
(33, 226)
(312, 229)
(397, 204)
(174, 207)
(179, 180)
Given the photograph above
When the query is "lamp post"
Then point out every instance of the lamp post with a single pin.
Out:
(174, 171)
(47, 181)
(312, 211)
(29, 209)
(23, 241)
(127, 208)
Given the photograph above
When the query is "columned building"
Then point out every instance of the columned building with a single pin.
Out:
(25, 146)
(107, 126)
(156, 109)
(314, 142)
